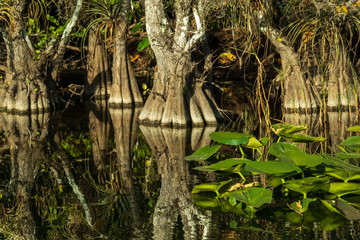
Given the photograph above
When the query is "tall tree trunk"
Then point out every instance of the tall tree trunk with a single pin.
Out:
(343, 83)
(98, 81)
(177, 98)
(124, 90)
(24, 89)
(29, 83)
(298, 92)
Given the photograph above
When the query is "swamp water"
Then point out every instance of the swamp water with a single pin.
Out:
(89, 173)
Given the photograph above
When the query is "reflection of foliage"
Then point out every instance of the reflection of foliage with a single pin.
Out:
(77, 146)
(314, 187)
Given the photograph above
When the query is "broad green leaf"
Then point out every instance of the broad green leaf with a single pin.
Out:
(233, 224)
(331, 161)
(302, 138)
(203, 153)
(254, 196)
(332, 221)
(144, 43)
(352, 143)
(302, 206)
(353, 129)
(264, 141)
(209, 187)
(305, 185)
(330, 204)
(225, 165)
(230, 138)
(206, 201)
(300, 158)
(280, 129)
(271, 167)
(341, 189)
(253, 143)
(282, 147)
(342, 174)
(351, 155)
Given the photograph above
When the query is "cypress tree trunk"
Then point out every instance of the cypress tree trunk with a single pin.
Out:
(23, 89)
(343, 83)
(177, 98)
(98, 71)
(124, 90)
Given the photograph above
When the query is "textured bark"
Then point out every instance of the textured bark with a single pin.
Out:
(98, 82)
(175, 199)
(124, 90)
(343, 83)
(168, 104)
(29, 84)
(27, 138)
(298, 92)
(23, 89)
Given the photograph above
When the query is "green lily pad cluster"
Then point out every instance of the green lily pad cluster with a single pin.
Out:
(309, 187)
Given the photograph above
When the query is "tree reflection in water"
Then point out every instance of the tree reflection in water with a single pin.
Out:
(175, 200)
(27, 137)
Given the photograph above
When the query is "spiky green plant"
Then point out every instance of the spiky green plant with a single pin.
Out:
(104, 15)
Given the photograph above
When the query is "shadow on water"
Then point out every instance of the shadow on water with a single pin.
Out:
(93, 173)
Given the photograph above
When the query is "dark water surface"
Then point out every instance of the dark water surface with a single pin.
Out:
(90, 173)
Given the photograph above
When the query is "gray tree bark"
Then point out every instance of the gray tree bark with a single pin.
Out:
(169, 104)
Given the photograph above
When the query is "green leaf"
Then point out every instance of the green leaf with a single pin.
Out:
(209, 187)
(253, 143)
(342, 174)
(352, 143)
(282, 147)
(144, 43)
(300, 158)
(233, 224)
(302, 138)
(264, 141)
(271, 167)
(203, 153)
(225, 165)
(340, 188)
(230, 138)
(137, 27)
(280, 129)
(254, 196)
(353, 129)
(305, 185)
(302, 206)
(351, 155)
(206, 201)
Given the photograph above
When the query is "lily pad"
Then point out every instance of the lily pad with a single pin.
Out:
(253, 197)
(230, 138)
(282, 147)
(305, 185)
(280, 129)
(223, 165)
(272, 167)
(209, 187)
(302, 138)
(300, 158)
(203, 153)
(301, 206)
(352, 143)
(340, 188)
(353, 129)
